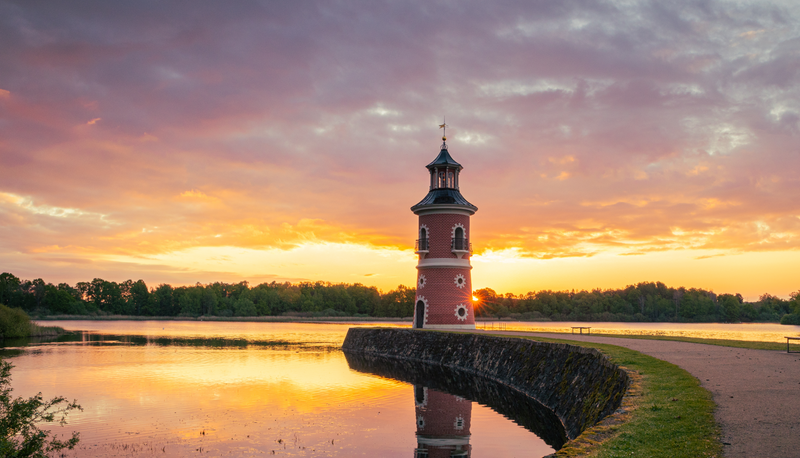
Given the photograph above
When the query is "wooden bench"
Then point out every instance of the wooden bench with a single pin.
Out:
(787, 344)
(581, 328)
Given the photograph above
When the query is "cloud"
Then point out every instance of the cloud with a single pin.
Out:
(584, 127)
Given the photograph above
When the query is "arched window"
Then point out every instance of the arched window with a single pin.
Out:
(459, 243)
(419, 394)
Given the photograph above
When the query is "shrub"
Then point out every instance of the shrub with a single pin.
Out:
(791, 318)
(14, 323)
(20, 436)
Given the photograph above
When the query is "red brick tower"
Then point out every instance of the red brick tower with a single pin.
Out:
(443, 422)
(444, 284)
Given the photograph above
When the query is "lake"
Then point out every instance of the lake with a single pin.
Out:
(174, 389)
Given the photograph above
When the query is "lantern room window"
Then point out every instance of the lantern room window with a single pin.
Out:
(444, 179)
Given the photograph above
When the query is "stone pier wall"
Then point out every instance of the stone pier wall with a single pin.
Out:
(580, 385)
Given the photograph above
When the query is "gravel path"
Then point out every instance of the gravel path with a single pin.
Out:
(757, 392)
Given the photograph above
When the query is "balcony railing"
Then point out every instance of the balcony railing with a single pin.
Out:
(421, 245)
(460, 246)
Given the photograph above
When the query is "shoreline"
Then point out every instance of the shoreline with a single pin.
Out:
(253, 319)
(290, 319)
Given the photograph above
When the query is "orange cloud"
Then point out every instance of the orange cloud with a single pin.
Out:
(577, 143)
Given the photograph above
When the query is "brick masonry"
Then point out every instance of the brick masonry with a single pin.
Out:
(437, 286)
(443, 296)
(440, 233)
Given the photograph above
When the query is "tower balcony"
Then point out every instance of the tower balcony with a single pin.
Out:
(421, 246)
(460, 246)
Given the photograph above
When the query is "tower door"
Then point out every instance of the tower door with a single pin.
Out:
(419, 315)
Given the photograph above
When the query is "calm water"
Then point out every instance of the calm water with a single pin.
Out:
(251, 389)
(754, 332)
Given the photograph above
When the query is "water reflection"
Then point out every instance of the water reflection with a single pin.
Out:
(91, 338)
(233, 389)
(443, 422)
(512, 404)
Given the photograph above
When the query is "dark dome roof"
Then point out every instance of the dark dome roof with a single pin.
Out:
(444, 159)
(444, 196)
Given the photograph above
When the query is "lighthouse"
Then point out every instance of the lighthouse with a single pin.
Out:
(444, 283)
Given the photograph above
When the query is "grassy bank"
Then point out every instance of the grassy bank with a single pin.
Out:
(671, 415)
(720, 342)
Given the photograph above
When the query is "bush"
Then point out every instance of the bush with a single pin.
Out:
(20, 436)
(14, 323)
(791, 318)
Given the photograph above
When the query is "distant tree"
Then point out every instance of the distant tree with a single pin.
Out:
(244, 307)
(162, 303)
(365, 298)
(794, 308)
(9, 285)
(38, 290)
(794, 303)
(138, 297)
(397, 303)
(486, 304)
(208, 302)
(730, 307)
(59, 301)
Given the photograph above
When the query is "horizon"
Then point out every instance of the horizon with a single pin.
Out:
(604, 144)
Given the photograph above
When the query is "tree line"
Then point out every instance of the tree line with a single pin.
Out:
(103, 297)
(645, 301)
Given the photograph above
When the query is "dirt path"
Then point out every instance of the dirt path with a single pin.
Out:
(757, 392)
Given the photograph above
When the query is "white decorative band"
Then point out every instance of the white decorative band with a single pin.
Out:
(443, 442)
(444, 262)
(449, 326)
(445, 209)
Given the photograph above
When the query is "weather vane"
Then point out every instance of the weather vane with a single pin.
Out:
(443, 125)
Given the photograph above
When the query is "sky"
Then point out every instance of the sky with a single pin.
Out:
(604, 143)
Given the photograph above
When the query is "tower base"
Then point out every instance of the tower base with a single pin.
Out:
(445, 327)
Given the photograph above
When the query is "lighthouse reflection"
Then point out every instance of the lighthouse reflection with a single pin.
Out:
(443, 422)
(443, 404)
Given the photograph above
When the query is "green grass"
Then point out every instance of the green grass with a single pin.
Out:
(671, 415)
